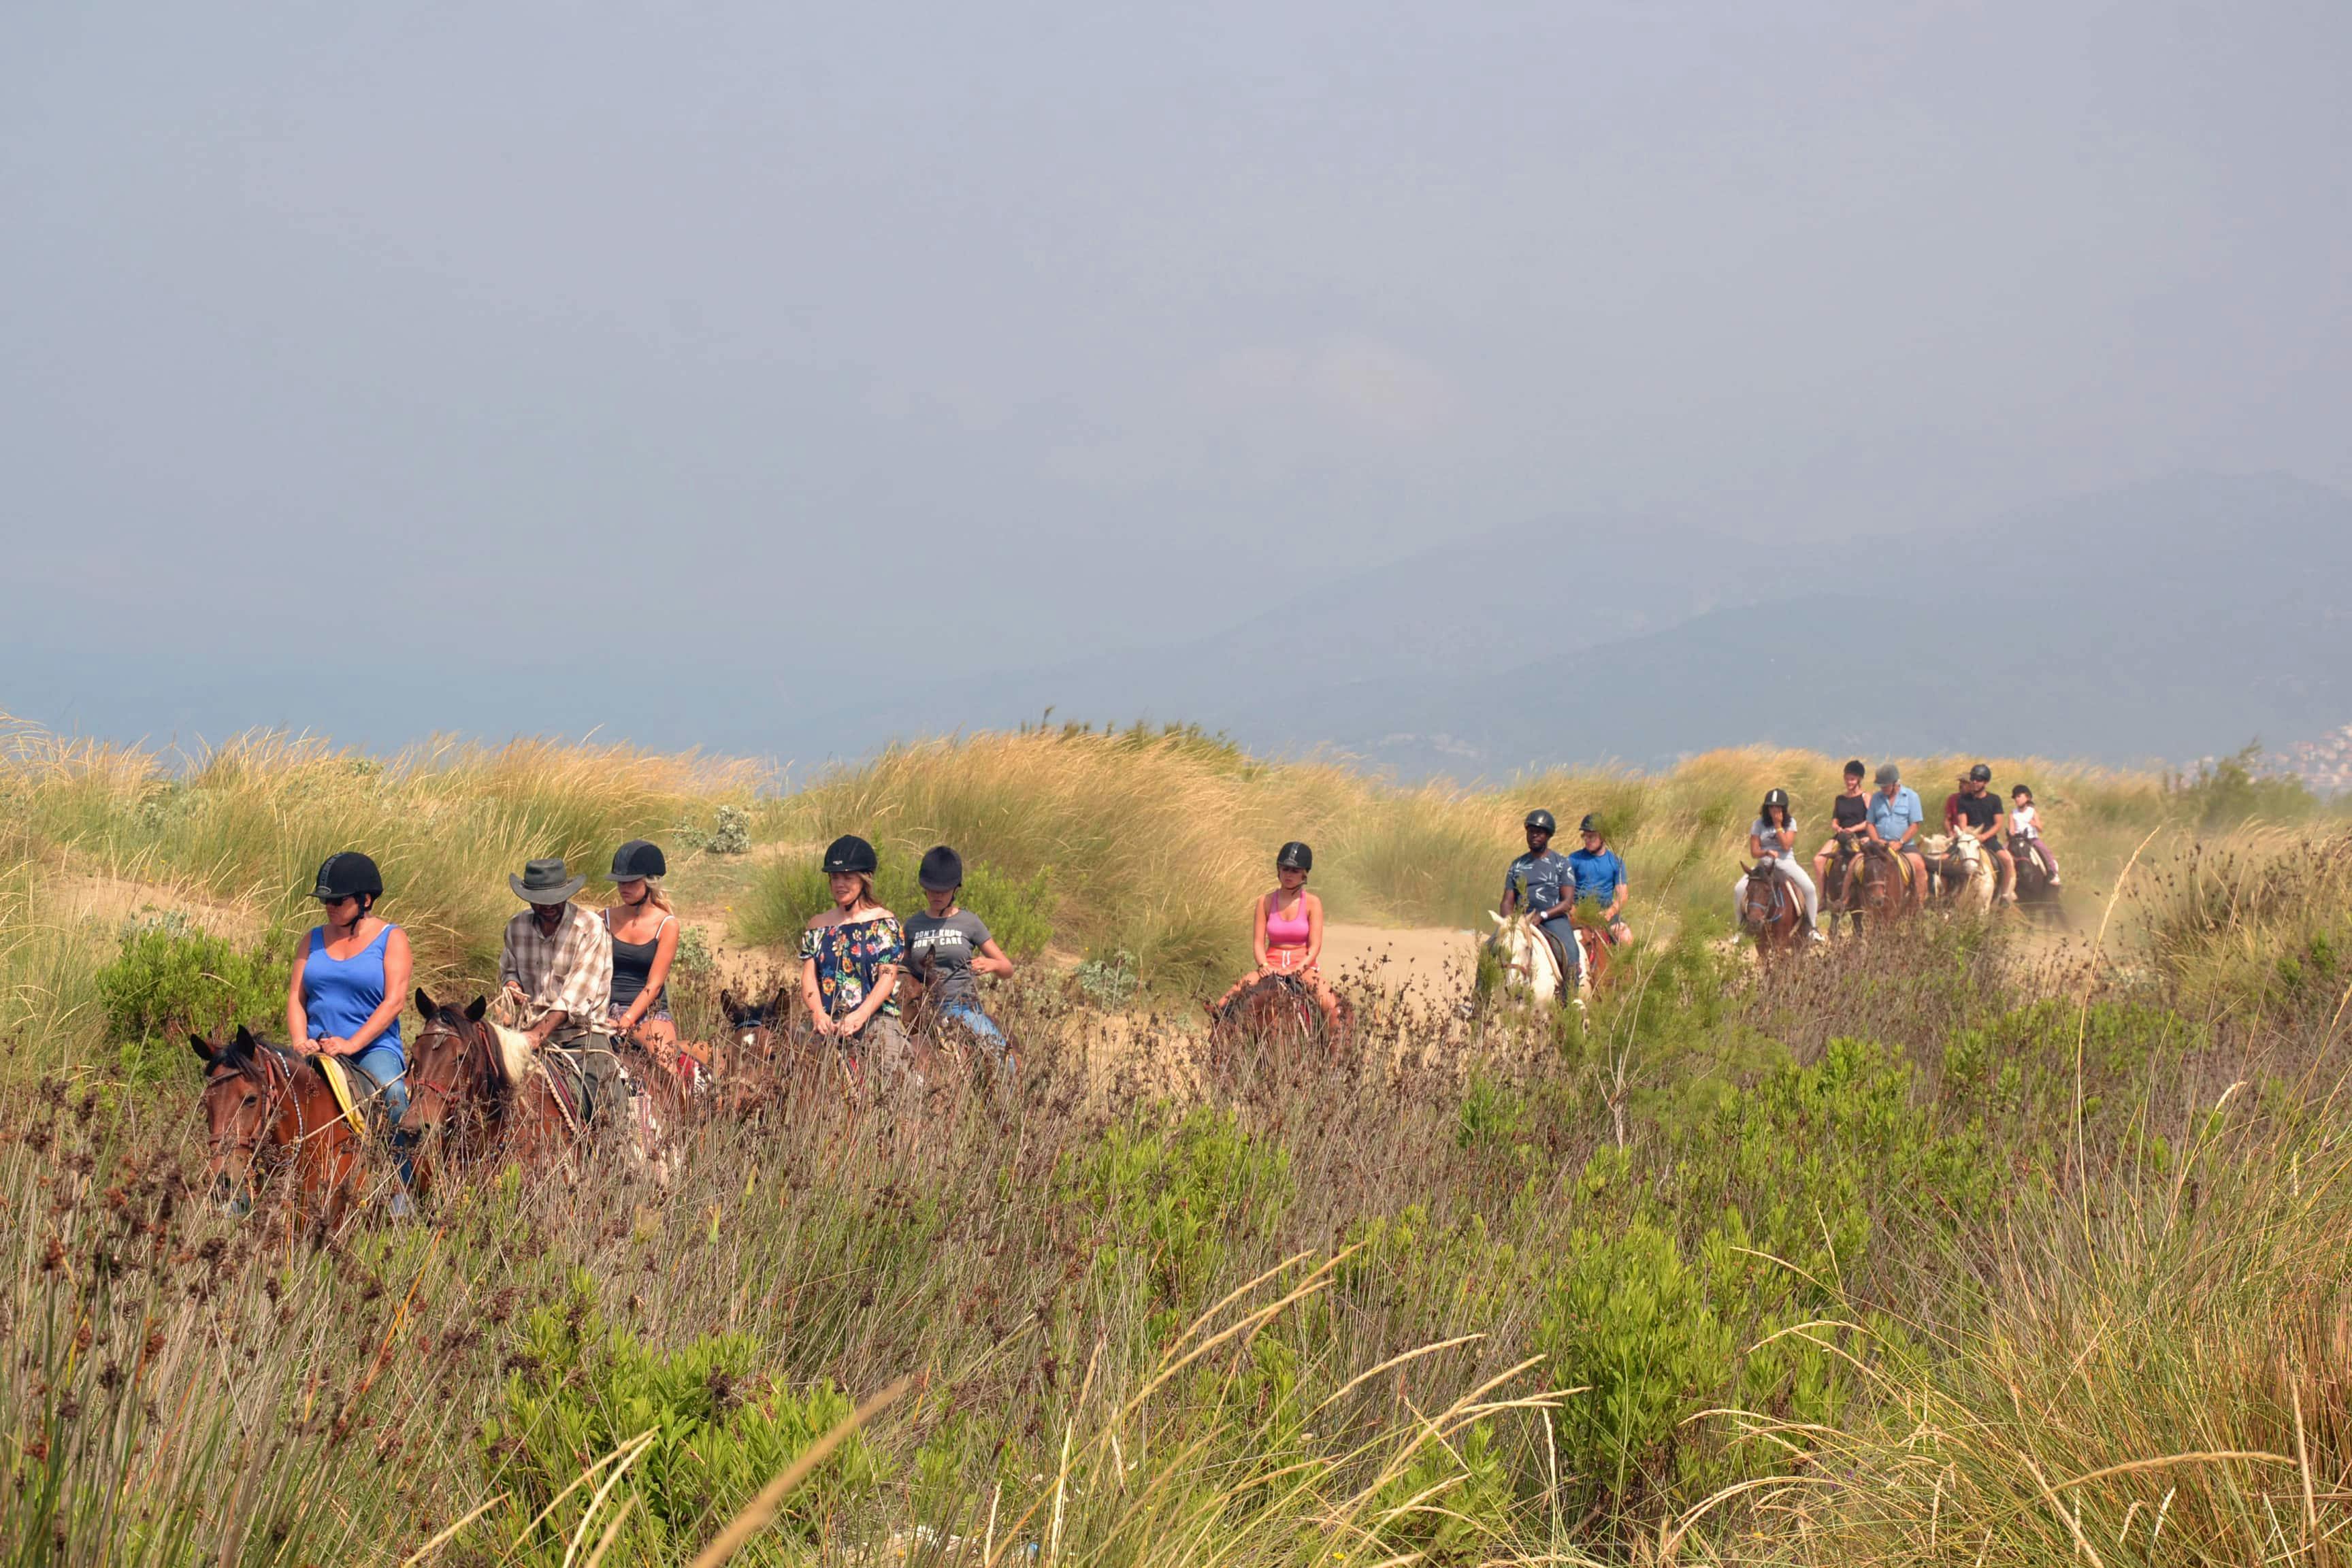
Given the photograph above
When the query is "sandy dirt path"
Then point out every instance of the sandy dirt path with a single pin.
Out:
(1434, 961)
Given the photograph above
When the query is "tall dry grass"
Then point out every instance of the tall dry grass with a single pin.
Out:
(1934, 1250)
(248, 823)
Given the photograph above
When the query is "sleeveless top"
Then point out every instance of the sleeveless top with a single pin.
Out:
(339, 995)
(633, 965)
(1296, 931)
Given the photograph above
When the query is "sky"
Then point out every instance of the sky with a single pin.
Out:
(683, 371)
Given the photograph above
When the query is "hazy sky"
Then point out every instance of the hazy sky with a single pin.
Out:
(349, 350)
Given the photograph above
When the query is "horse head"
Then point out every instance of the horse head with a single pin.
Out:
(239, 1101)
(449, 1064)
(754, 1024)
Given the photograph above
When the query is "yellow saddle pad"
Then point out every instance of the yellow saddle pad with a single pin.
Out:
(339, 1082)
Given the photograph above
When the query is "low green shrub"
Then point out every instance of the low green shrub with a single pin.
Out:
(1175, 1195)
(1629, 1321)
(171, 977)
(718, 1432)
(1453, 1505)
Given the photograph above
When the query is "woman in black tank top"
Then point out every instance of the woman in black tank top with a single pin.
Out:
(645, 943)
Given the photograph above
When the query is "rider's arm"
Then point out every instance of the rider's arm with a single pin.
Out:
(1990, 836)
(1257, 931)
(399, 963)
(1756, 850)
(1314, 929)
(811, 997)
(1617, 903)
(991, 959)
(298, 1019)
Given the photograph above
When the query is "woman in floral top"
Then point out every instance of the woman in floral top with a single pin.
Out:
(850, 958)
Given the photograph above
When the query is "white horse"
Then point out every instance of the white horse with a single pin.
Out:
(1966, 872)
(1530, 962)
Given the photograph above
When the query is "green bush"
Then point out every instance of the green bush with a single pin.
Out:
(1019, 915)
(1176, 1196)
(2226, 794)
(1629, 1321)
(173, 977)
(1453, 1505)
(720, 1432)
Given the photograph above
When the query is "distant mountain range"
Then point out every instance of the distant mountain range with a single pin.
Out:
(2166, 620)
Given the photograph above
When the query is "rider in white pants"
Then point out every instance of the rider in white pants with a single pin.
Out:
(1773, 836)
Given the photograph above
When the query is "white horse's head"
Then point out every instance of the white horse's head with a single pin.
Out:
(1527, 959)
(1965, 848)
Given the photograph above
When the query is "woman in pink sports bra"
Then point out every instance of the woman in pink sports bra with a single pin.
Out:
(1288, 936)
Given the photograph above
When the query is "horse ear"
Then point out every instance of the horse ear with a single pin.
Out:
(425, 1008)
(245, 1040)
(203, 1048)
(728, 1007)
(475, 1008)
(1496, 916)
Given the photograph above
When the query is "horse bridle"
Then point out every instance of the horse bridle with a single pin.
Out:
(472, 1043)
(271, 1092)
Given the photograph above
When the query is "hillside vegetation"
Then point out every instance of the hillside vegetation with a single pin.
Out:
(1962, 1245)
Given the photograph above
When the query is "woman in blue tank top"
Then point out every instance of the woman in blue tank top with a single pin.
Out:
(351, 977)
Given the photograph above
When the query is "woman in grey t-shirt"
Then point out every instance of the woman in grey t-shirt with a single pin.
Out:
(948, 948)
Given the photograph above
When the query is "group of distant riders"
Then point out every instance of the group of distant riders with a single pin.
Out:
(1891, 820)
(577, 981)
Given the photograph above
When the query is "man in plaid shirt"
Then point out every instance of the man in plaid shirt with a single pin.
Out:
(556, 974)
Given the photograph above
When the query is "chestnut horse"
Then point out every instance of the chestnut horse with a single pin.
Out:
(1770, 910)
(1275, 1018)
(1879, 883)
(268, 1110)
(462, 1106)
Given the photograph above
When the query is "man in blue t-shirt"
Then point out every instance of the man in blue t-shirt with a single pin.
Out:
(1896, 815)
(1601, 876)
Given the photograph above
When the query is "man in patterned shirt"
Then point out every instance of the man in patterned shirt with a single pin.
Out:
(556, 976)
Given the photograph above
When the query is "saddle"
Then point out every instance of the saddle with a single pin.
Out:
(357, 1095)
(1775, 876)
(1572, 964)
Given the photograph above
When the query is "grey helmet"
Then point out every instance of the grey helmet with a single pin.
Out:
(1543, 821)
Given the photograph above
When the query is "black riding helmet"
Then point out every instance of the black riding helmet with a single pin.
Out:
(1981, 773)
(849, 854)
(1541, 821)
(1773, 798)
(1591, 823)
(1294, 857)
(941, 871)
(637, 859)
(348, 875)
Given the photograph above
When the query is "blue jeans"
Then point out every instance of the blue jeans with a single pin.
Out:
(983, 1028)
(382, 1066)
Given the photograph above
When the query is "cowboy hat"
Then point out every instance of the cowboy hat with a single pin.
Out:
(543, 882)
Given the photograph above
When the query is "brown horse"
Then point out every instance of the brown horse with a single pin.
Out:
(269, 1111)
(1878, 885)
(1275, 1019)
(1770, 911)
(462, 1107)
